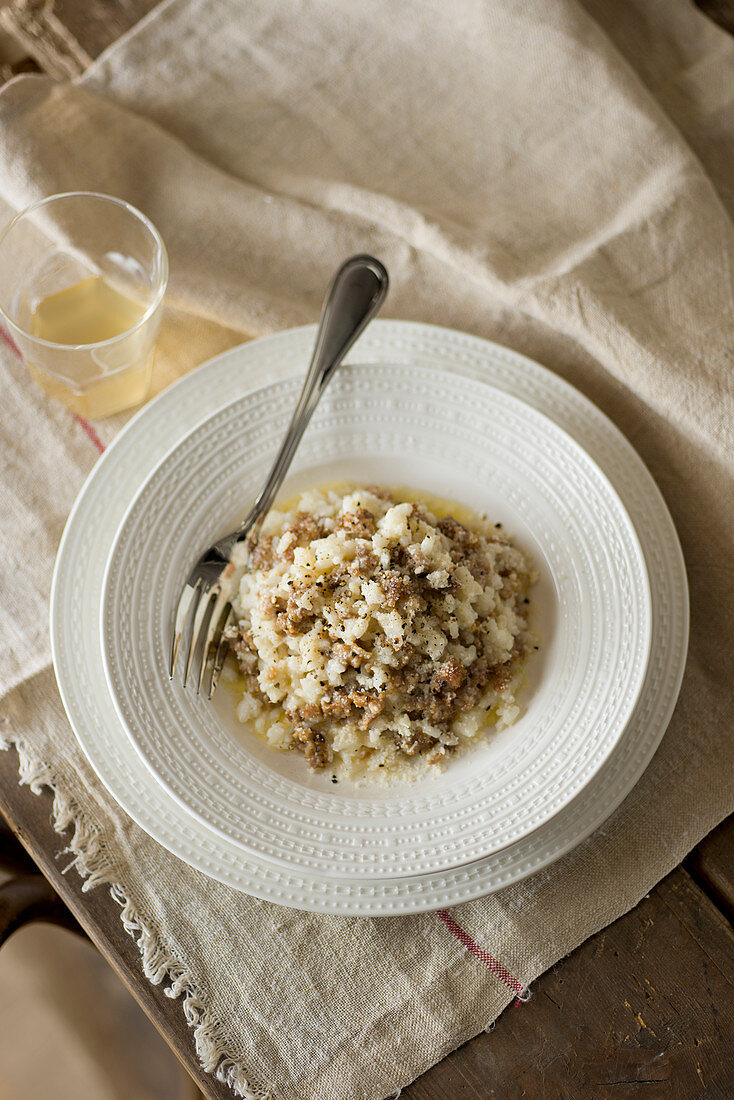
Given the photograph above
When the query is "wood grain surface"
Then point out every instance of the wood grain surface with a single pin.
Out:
(711, 865)
(643, 1009)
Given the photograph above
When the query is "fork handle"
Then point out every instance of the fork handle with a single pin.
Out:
(356, 294)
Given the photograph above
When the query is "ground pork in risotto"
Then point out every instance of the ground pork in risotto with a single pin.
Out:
(373, 635)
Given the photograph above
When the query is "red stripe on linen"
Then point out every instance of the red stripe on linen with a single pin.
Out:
(87, 427)
(481, 954)
(6, 339)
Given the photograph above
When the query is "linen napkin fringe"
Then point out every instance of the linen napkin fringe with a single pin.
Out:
(93, 864)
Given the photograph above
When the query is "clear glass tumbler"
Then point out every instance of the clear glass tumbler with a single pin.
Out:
(82, 279)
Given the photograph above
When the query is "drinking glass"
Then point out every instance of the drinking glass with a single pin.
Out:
(82, 279)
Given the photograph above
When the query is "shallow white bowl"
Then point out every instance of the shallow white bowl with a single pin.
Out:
(387, 423)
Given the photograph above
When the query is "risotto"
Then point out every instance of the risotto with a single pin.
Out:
(376, 638)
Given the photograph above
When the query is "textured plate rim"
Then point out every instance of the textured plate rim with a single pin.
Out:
(470, 355)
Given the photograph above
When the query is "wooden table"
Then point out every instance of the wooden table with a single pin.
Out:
(645, 1008)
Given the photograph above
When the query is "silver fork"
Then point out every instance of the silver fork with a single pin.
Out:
(204, 610)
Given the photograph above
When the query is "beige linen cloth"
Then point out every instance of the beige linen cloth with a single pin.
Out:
(555, 177)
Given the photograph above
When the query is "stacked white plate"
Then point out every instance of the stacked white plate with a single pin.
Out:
(419, 406)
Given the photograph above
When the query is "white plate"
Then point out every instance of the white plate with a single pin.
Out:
(387, 423)
(116, 480)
